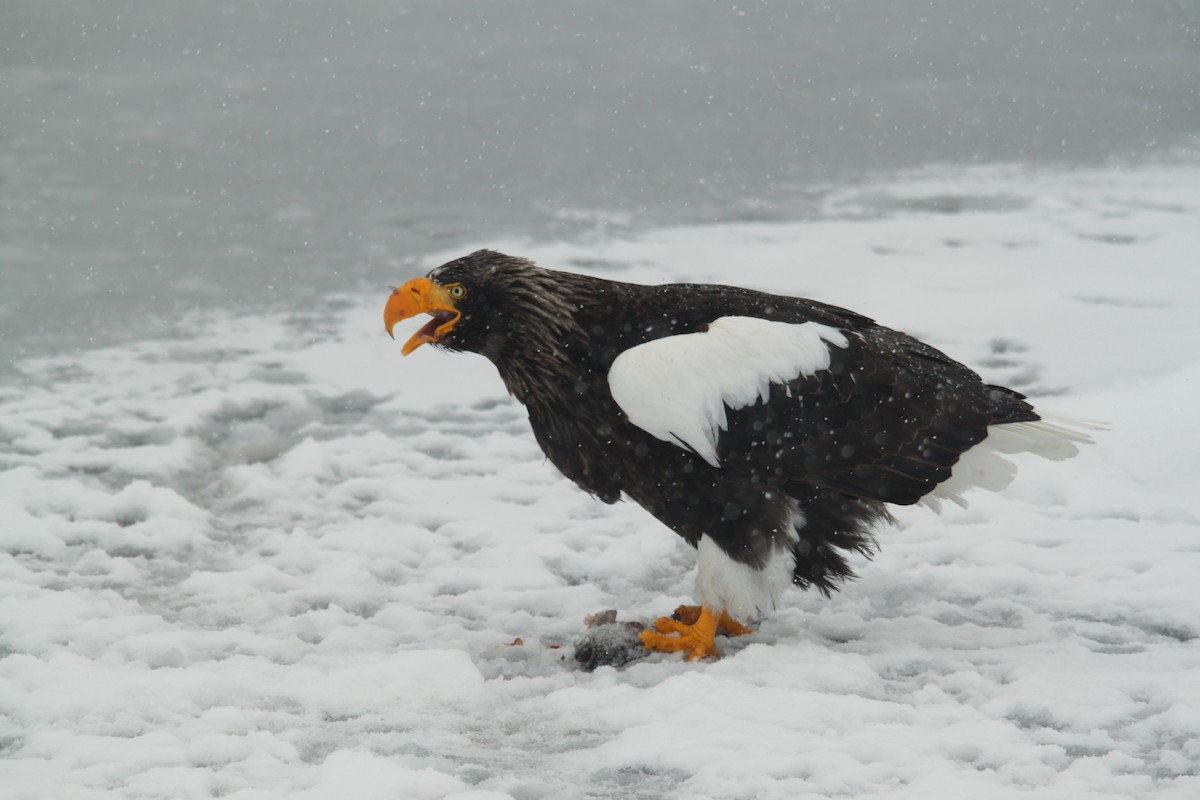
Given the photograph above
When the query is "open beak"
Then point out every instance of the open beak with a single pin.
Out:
(421, 296)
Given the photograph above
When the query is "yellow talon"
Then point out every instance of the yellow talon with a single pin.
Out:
(670, 625)
(731, 627)
(693, 631)
(725, 623)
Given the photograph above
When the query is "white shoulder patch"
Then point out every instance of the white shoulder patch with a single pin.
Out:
(676, 388)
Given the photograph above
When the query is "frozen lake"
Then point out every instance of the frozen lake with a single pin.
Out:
(158, 159)
(274, 559)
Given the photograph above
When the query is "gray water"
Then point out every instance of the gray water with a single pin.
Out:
(161, 158)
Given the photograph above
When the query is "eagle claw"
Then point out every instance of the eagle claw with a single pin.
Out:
(725, 623)
(692, 630)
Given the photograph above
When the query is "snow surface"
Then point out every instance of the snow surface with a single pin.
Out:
(276, 559)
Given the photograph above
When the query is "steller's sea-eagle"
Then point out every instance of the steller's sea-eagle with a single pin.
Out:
(769, 432)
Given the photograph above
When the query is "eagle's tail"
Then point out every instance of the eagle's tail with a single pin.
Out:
(985, 465)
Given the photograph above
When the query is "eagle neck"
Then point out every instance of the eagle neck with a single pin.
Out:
(533, 372)
(542, 349)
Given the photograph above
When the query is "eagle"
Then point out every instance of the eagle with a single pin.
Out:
(770, 432)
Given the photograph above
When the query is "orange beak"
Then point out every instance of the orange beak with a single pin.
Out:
(421, 296)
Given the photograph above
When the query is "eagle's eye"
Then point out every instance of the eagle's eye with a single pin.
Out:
(457, 291)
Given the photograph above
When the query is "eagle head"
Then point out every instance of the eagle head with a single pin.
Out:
(471, 301)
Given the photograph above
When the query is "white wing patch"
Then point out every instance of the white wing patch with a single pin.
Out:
(676, 388)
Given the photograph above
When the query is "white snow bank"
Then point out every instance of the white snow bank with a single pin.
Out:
(279, 560)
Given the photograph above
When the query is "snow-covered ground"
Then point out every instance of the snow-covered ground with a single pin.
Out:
(276, 559)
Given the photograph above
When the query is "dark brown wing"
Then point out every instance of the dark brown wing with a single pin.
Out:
(886, 421)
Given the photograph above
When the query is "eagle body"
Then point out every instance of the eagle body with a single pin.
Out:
(770, 432)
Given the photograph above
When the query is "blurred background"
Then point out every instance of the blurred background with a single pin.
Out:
(160, 159)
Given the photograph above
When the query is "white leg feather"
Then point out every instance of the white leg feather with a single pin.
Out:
(723, 584)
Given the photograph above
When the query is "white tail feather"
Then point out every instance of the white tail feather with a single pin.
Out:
(985, 467)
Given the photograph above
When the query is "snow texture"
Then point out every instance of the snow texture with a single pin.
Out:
(274, 559)
(677, 388)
